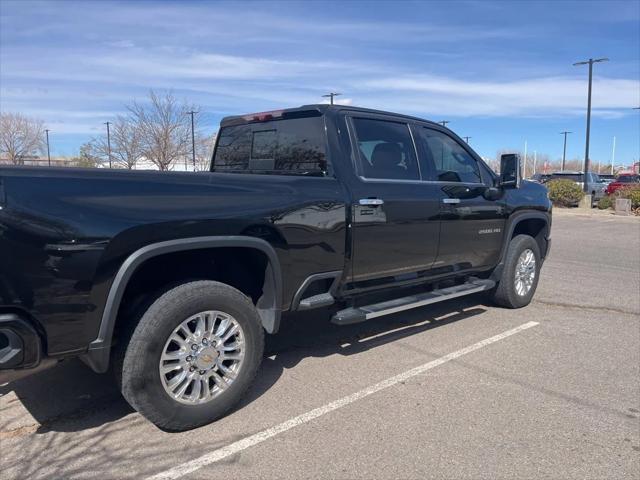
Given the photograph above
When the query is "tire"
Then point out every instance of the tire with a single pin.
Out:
(506, 294)
(139, 359)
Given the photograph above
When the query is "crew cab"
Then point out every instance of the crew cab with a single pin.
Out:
(172, 280)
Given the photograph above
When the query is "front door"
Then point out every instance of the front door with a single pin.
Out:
(471, 228)
(395, 214)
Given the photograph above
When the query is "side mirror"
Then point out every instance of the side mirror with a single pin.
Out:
(510, 170)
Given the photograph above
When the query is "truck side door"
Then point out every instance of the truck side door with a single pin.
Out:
(472, 225)
(395, 214)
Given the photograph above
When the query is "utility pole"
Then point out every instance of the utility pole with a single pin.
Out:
(535, 160)
(330, 95)
(466, 139)
(613, 154)
(524, 164)
(108, 142)
(589, 62)
(564, 150)
(193, 140)
(444, 122)
(48, 152)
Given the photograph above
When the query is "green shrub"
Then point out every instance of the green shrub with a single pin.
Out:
(606, 202)
(564, 193)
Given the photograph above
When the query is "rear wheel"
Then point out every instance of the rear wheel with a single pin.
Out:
(520, 273)
(192, 355)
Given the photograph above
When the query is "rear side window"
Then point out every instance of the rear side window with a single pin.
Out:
(293, 146)
(385, 150)
(449, 161)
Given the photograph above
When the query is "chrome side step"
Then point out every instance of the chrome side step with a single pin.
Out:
(361, 314)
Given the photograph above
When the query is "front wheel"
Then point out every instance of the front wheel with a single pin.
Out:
(192, 355)
(520, 273)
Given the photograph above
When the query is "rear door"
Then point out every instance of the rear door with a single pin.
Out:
(395, 214)
(471, 229)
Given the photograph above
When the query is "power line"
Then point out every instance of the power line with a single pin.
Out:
(330, 95)
(589, 62)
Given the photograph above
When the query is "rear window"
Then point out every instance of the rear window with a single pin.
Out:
(293, 146)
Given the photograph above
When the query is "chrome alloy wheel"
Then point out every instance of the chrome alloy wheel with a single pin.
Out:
(202, 357)
(525, 272)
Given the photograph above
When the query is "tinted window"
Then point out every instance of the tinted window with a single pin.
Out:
(448, 160)
(294, 146)
(234, 148)
(386, 150)
(263, 150)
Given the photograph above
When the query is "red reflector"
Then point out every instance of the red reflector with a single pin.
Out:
(263, 116)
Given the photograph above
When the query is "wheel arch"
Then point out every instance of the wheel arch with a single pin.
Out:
(535, 224)
(269, 305)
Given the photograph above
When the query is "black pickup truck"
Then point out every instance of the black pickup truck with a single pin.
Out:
(172, 279)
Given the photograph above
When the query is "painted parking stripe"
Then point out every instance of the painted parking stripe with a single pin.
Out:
(240, 445)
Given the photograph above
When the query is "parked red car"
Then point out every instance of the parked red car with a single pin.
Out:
(623, 181)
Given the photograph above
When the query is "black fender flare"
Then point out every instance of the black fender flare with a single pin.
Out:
(511, 225)
(269, 306)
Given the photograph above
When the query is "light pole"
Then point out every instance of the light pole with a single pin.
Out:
(466, 139)
(330, 95)
(613, 154)
(108, 142)
(193, 140)
(444, 122)
(48, 152)
(589, 62)
(564, 150)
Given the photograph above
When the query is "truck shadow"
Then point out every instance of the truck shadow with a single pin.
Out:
(70, 397)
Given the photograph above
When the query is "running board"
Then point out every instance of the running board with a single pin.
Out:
(361, 314)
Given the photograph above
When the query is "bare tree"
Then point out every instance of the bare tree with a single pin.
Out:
(204, 151)
(164, 128)
(21, 137)
(126, 143)
(89, 157)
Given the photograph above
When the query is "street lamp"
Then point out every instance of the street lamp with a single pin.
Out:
(564, 150)
(330, 95)
(589, 62)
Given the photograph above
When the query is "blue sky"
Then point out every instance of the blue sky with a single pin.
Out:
(500, 71)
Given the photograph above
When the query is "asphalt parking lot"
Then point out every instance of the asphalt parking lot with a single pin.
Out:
(471, 391)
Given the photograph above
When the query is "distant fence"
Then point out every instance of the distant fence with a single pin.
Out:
(179, 166)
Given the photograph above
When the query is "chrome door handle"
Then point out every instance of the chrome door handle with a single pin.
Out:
(451, 200)
(371, 202)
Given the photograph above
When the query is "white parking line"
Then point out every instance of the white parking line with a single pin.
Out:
(240, 445)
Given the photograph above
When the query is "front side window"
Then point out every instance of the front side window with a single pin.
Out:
(385, 150)
(449, 161)
(291, 146)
